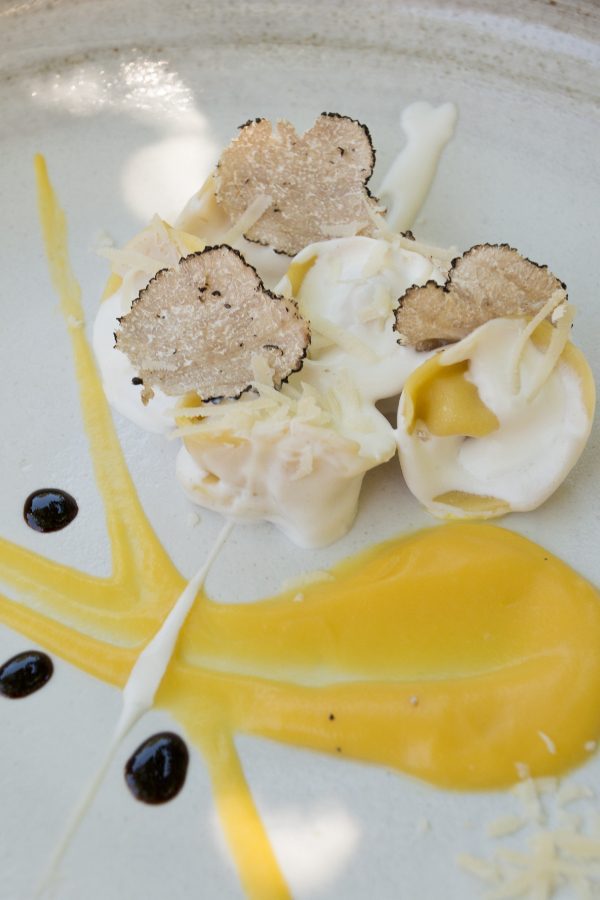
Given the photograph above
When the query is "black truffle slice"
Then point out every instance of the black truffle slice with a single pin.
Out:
(486, 282)
(201, 326)
(317, 182)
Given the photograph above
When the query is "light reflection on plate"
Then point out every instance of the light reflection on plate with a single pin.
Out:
(520, 168)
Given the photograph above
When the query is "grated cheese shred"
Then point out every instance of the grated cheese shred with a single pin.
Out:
(443, 254)
(249, 217)
(343, 338)
(562, 851)
(562, 317)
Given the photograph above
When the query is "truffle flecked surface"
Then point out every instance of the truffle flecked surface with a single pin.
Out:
(316, 182)
(202, 325)
(487, 282)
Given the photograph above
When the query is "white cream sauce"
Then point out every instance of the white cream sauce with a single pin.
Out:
(349, 297)
(299, 466)
(406, 186)
(538, 441)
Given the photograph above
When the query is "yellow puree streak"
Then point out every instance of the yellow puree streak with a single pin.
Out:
(444, 654)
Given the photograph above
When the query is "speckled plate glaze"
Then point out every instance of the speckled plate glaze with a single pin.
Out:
(131, 103)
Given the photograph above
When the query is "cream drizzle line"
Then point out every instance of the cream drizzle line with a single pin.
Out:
(127, 523)
(408, 180)
(138, 698)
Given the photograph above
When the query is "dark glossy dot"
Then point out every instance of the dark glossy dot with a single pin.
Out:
(157, 770)
(49, 509)
(24, 674)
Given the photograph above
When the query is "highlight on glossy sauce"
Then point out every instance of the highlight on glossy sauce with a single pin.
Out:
(49, 509)
(24, 674)
(156, 772)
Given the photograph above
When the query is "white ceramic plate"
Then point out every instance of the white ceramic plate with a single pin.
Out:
(131, 103)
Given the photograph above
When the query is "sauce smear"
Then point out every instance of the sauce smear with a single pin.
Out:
(458, 654)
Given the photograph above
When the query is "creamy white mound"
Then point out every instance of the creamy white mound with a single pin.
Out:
(349, 295)
(295, 457)
(297, 460)
(543, 421)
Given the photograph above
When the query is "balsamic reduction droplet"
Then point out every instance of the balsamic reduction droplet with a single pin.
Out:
(49, 509)
(157, 770)
(24, 674)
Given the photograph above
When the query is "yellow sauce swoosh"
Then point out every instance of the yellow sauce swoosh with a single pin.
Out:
(453, 654)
